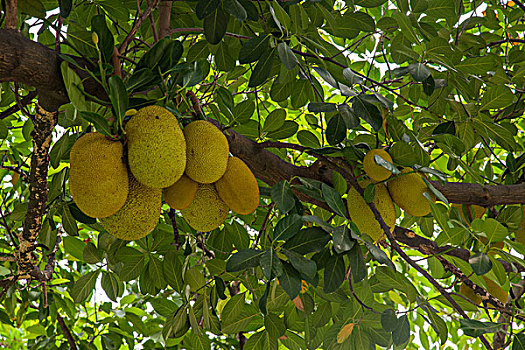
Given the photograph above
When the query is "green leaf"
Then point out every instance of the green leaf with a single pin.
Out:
(477, 65)
(133, 263)
(264, 299)
(163, 306)
(237, 314)
(100, 123)
(306, 267)
(334, 273)
(156, 273)
(342, 241)
(311, 239)
(172, 267)
(440, 327)
(3, 130)
(274, 325)
(336, 129)
(361, 21)
(215, 26)
(83, 287)
(389, 320)
(118, 96)
(287, 56)
(401, 334)
(308, 139)
(243, 111)
(287, 227)
(283, 196)
(235, 9)
(380, 255)
(279, 15)
(238, 235)
(262, 69)
(419, 71)
(334, 200)
(496, 97)
(357, 263)
(275, 120)
(270, 265)
(244, 259)
(519, 341)
(406, 26)
(474, 328)
(74, 246)
(91, 254)
(106, 42)
(68, 222)
(348, 115)
(257, 341)
(368, 112)
(112, 285)
(205, 8)
(253, 49)
(290, 280)
(480, 263)
(493, 230)
(288, 129)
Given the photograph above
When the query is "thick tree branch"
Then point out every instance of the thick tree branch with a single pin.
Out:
(164, 18)
(10, 14)
(44, 122)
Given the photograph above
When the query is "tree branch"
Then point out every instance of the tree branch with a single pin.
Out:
(10, 14)
(164, 18)
(123, 46)
(67, 332)
(44, 122)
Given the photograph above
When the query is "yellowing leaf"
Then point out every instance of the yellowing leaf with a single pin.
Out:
(345, 332)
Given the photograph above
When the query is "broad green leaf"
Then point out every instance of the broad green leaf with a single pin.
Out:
(274, 325)
(287, 227)
(275, 120)
(83, 287)
(253, 49)
(357, 263)
(290, 280)
(334, 200)
(389, 320)
(262, 69)
(401, 334)
(283, 196)
(244, 259)
(334, 273)
(235, 9)
(133, 263)
(474, 328)
(172, 268)
(118, 96)
(288, 129)
(311, 239)
(112, 285)
(306, 267)
(336, 129)
(270, 265)
(342, 241)
(286, 56)
(496, 97)
(215, 26)
(308, 139)
(480, 263)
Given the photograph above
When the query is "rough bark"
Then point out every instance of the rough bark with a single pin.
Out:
(44, 122)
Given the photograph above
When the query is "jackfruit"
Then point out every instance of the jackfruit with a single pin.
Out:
(207, 211)
(238, 187)
(476, 211)
(207, 152)
(156, 147)
(139, 215)
(98, 179)
(407, 192)
(495, 290)
(469, 294)
(361, 214)
(181, 193)
(376, 172)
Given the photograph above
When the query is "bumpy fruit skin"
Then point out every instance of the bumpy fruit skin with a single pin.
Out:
(238, 187)
(98, 179)
(207, 152)
(469, 294)
(362, 215)
(156, 147)
(407, 192)
(181, 193)
(139, 215)
(376, 172)
(207, 211)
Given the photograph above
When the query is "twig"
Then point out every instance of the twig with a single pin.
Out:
(16, 107)
(66, 332)
(176, 236)
(10, 14)
(136, 25)
(153, 26)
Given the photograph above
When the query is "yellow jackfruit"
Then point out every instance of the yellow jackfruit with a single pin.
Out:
(139, 215)
(181, 193)
(98, 179)
(207, 211)
(469, 294)
(156, 147)
(238, 187)
(207, 152)
(362, 215)
(407, 192)
(376, 172)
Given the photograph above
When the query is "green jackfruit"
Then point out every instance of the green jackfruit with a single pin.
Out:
(207, 152)
(156, 147)
(407, 192)
(181, 193)
(238, 187)
(362, 215)
(207, 211)
(98, 179)
(376, 172)
(139, 215)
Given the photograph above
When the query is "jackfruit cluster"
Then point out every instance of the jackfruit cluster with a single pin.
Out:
(191, 168)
